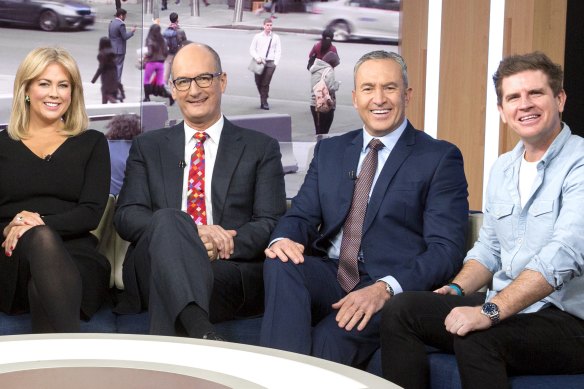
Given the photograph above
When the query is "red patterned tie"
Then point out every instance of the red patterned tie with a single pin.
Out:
(196, 193)
(348, 274)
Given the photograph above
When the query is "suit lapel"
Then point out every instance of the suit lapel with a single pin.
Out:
(398, 155)
(171, 157)
(228, 155)
(349, 172)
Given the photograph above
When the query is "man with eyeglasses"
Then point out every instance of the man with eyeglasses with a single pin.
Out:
(198, 204)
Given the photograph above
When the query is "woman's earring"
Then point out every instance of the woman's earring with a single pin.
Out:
(27, 98)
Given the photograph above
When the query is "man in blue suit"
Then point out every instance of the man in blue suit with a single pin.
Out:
(412, 235)
(118, 36)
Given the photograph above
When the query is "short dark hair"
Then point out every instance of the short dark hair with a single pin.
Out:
(173, 17)
(532, 61)
(120, 12)
(124, 127)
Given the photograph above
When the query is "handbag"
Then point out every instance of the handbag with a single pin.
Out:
(141, 54)
(257, 68)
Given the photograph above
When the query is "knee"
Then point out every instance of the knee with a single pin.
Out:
(167, 217)
(40, 236)
(476, 344)
(275, 268)
(402, 309)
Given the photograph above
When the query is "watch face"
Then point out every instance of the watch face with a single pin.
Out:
(490, 309)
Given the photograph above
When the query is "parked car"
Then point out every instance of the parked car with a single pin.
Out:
(376, 19)
(49, 15)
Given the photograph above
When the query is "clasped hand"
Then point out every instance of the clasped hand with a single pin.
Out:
(218, 241)
(22, 222)
(463, 320)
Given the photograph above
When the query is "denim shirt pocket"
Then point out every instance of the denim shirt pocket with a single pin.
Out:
(501, 214)
(541, 220)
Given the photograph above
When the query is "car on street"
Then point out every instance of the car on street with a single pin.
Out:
(48, 15)
(373, 19)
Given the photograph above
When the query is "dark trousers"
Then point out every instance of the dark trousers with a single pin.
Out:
(263, 81)
(546, 342)
(322, 120)
(119, 60)
(118, 4)
(172, 270)
(298, 315)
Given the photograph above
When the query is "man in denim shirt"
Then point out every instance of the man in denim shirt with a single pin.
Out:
(530, 250)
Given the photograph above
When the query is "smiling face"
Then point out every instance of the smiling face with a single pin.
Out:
(50, 95)
(201, 107)
(529, 107)
(380, 96)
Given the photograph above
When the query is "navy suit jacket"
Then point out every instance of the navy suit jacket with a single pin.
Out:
(417, 216)
(118, 36)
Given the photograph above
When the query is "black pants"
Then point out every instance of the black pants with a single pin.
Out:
(170, 269)
(546, 342)
(263, 81)
(322, 120)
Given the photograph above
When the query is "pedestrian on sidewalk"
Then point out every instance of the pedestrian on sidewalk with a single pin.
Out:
(323, 69)
(119, 4)
(118, 36)
(175, 38)
(322, 47)
(154, 65)
(111, 89)
(266, 48)
(268, 6)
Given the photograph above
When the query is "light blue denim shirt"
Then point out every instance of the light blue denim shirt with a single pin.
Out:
(547, 235)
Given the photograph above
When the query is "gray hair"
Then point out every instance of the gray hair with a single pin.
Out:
(382, 54)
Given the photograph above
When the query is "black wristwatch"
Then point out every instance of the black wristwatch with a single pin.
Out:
(491, 310)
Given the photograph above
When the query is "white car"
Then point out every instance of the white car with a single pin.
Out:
(376, 19)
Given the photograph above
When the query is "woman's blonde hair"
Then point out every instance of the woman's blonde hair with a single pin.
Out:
(35, 63)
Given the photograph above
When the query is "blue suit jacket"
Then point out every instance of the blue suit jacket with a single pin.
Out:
(416, 220)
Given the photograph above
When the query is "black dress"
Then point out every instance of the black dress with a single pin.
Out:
(69, 190)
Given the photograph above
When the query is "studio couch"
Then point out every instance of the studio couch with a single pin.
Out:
(444, 372)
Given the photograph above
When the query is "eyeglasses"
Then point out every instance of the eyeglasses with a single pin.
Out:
(202, 80)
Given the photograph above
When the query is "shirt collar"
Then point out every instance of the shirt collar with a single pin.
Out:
(388, 140)
(557, 145)
(213, 132)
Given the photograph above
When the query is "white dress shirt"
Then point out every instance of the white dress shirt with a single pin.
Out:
(259, 47)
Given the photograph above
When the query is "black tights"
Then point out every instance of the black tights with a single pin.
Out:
(322, 120)
(54, 287)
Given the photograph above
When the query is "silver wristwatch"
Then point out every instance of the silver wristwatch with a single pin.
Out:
(491, 310)
(388, 288)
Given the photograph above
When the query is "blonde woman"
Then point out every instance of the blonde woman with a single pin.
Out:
(54, 182)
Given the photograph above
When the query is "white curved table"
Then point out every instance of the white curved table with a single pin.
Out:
(123, 361)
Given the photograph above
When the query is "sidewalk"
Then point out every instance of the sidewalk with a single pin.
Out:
(216, 15)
